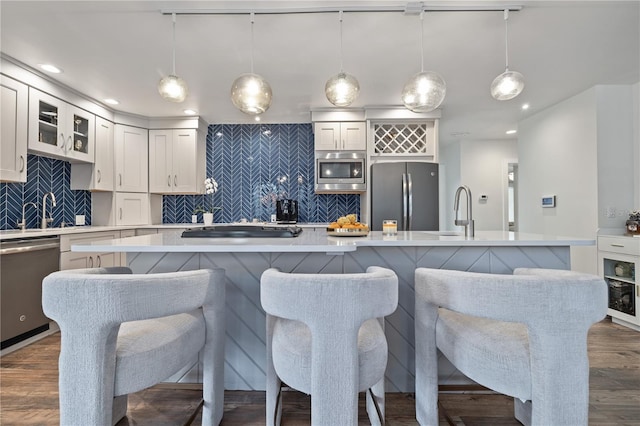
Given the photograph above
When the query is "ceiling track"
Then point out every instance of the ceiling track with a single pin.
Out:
(409, 9)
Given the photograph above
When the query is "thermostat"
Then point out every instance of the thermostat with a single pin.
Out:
(549, 201)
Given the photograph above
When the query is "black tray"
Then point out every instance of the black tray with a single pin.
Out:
(242, 231)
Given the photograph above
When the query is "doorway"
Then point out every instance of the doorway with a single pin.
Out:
(512, 197)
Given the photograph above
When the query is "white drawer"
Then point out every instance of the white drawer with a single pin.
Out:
(624, 245)
(66, 241)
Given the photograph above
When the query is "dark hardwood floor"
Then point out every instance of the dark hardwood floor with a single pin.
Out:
(28, 392)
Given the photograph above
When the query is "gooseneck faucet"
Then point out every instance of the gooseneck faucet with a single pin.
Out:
(468, 223)
(23, 223)
(45, 220)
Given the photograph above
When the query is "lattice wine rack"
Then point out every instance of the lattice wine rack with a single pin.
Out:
(402, 139)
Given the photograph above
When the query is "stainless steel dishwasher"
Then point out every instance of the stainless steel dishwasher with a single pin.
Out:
(24, 263)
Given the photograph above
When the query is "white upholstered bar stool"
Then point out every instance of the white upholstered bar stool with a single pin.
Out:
(124, 332)
(325, 337)
(523, 335)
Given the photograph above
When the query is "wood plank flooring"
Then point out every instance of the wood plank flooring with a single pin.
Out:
(29, 396)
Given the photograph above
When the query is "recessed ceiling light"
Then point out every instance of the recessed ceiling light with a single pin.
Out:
(525, 106)
(111, 101)
(511, 132)
(190, 112)
(50, 68)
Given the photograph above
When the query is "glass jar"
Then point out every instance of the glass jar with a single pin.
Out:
(389, 227)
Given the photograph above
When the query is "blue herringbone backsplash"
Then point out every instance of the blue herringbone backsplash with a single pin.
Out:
(254, 165)
(43, 175)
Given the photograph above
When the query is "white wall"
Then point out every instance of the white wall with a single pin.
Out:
(481, 166)
(580, 150)
(615, 123)
(449, 181)
(483, 170)
(636, 143)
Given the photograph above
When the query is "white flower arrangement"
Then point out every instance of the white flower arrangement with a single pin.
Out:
(210, 188)
(634, 215)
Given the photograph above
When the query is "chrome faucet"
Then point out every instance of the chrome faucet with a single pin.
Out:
(23, 223)
(45, 220)
(468, 223)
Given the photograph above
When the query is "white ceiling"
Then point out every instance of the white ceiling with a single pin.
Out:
(120, 49)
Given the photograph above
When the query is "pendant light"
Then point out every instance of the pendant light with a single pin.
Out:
(425, 91)
(342, 89)
(251, 93)
(509, 84)
(172, 87)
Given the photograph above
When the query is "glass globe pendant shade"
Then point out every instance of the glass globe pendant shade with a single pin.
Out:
(424, 92)
(342, 89)
(251, 94)
(507, 85)
(173, 88)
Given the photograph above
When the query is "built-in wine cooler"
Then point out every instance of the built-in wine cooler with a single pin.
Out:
(618, 259)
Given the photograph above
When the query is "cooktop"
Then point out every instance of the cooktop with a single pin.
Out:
(242, 231)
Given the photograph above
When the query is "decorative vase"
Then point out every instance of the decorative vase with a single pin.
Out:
(194, 218)
(208, 218)
(633, 227)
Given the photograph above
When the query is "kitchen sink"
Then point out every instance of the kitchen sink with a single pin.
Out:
(446, 233)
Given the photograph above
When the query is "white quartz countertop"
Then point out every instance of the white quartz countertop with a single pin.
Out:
(318, 241)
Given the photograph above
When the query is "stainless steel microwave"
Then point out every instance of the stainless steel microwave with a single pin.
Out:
(340, 172)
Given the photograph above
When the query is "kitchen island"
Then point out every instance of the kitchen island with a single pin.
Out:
(313, 251)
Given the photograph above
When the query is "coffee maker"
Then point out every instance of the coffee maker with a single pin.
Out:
(286, 211)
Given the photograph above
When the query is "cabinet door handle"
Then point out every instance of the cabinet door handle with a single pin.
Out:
(168, 180)
(99, 261)
(175, 180)
(90, 262)
(70, 144)
(120, 178)
(617, 245)
(99, 176)
(21, 163)
(61, 138)
(120, 213)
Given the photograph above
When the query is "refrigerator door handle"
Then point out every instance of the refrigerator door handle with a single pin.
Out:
(410, 201)
(404, 202)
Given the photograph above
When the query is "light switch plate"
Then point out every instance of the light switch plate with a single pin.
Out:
(79, 219)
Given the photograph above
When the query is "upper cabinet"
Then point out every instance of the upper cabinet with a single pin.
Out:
(345, 136)
(131, 159)
(176, 161)
(406, 139)
(60, 130)
(99, 175)
(13, 130)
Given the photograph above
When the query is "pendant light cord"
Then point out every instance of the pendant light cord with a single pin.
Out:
(173, 15)
(506, 39)
(252, 20)
(341, 65)
(422, 41)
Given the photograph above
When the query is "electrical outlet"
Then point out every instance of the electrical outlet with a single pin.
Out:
(79, 219)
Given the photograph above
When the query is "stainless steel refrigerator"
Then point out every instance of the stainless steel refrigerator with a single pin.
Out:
(406, 192)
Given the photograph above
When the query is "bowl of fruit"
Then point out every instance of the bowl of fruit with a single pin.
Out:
(347, 226)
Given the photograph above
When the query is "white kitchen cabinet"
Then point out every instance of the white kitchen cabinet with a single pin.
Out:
(131, 208)
(14, 98)
(131, 151)
(60, 130)
(345, 136)
(177, 161)
(99, 175)
(618, 261)
(78, 260)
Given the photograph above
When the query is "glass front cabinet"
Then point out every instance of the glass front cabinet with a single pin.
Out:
(618, 261)
(60, 130)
